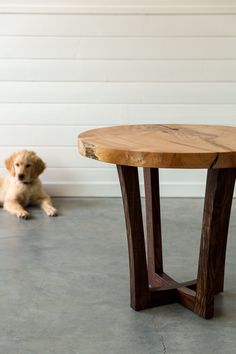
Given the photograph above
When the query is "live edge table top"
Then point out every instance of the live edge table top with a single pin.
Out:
(162, 146)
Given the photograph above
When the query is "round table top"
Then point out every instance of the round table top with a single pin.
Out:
(164, 146)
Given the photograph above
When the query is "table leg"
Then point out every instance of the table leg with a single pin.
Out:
(218, 200)
(163, 289)
(153, 216)
(150, 286)
(139, 287)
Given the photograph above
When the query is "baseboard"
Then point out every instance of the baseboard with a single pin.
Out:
(63, 189)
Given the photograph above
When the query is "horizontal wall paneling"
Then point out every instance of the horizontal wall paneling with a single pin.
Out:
(69, 66)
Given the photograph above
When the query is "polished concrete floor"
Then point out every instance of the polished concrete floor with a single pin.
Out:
(64, 284)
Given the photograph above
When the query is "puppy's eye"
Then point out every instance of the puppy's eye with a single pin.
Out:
(17, 164)
(28, 165)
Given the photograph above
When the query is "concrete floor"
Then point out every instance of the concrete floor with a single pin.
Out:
(64, 284)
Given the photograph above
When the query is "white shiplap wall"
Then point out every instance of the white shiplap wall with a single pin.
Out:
(66, 68)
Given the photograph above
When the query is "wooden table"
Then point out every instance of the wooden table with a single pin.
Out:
(170, 146)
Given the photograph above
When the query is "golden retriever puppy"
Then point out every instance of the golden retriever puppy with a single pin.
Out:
(23, 187)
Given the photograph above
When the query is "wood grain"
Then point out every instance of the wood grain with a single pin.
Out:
(164, 146)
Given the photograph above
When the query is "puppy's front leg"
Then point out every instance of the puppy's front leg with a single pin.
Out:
(14, 208)
(46, 205)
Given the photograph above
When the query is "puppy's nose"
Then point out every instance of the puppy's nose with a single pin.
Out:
(21, 176)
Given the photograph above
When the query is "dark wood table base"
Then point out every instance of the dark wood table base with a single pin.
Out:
(149, 285)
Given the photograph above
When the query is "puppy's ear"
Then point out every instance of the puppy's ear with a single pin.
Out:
(9, 163)
(39, 166)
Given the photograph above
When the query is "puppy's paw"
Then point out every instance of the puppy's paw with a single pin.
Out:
(23, 214)
(51, 211)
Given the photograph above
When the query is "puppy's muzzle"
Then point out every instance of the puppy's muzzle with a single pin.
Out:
(21, 176)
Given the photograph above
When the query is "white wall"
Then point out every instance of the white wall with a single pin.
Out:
(68, 66)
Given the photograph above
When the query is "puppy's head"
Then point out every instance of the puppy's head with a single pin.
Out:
(25, 166)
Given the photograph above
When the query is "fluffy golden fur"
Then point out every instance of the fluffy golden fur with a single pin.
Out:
(22, 187)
